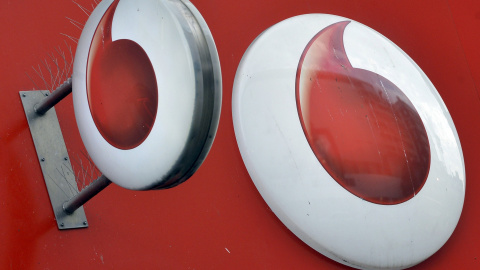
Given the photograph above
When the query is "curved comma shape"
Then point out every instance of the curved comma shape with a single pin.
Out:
(121, 87)
(361, 127)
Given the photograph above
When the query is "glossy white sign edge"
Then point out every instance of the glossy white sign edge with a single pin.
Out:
(301, 193)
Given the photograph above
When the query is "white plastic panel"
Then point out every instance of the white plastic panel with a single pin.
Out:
(306, 198)
(168, 108)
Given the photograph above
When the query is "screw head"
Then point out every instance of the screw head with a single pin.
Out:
(61, 224)
(84, 223)
(43, 159)
(46, 94)
(66, 158)
(23, 95)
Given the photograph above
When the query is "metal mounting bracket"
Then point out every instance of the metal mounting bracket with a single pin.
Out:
(54, 161)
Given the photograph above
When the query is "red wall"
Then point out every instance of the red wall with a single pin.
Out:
(217, 219)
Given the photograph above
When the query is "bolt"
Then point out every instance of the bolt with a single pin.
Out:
(66, 158)
(46, 94)
(84, 223)
(43, 159)
(61, 224)
(23, 95)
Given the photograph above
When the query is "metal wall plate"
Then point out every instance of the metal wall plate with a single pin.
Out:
(54, 161)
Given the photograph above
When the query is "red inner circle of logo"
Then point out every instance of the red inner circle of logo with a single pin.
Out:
(361, 127)
(121, 87)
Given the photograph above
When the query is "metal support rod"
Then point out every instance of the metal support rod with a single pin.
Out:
(60, 93)
(86, 194)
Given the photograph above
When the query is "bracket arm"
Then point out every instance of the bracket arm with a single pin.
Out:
(56, 96)
(86, 194)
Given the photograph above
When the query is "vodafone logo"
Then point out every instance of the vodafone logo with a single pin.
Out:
(348, 142)
(147, 91)
(120, 69)
(362, 128)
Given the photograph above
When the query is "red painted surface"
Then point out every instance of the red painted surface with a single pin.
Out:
(121, 87)
(217, 219)
(363, 129)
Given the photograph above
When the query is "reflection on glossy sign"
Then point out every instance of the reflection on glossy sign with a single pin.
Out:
(362, 128)
(121, 86)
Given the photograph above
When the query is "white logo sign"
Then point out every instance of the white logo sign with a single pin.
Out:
(348, 142)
